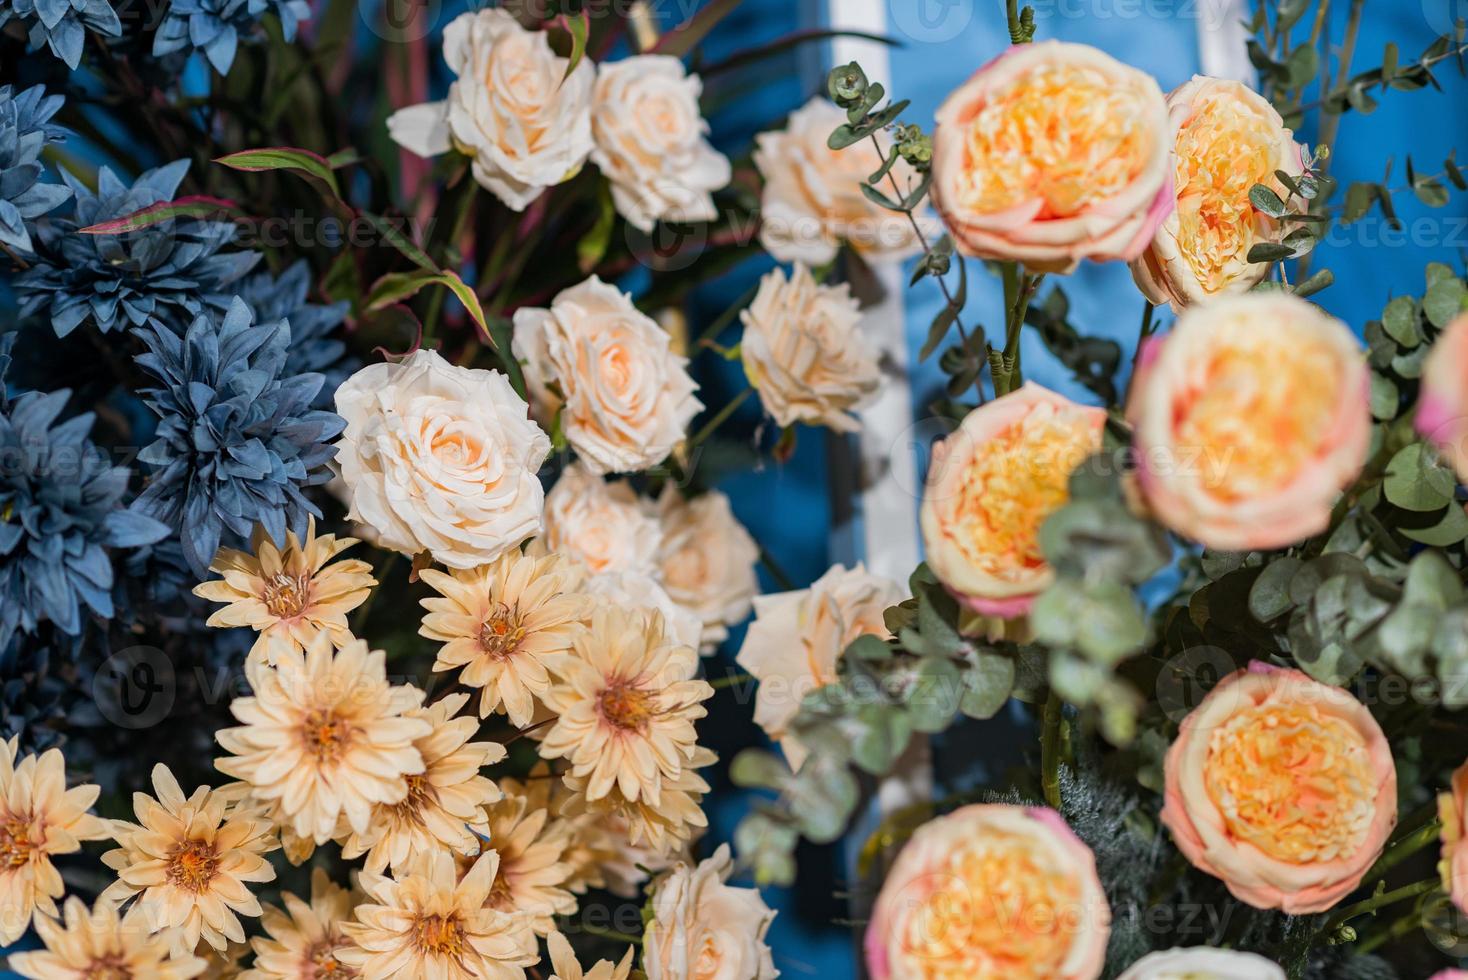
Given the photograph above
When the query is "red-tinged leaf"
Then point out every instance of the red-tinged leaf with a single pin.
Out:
(195, 206)
(304, 162)
(688, 35)
(409, 316)
(579, 27)
(396, 287)
(794, 39)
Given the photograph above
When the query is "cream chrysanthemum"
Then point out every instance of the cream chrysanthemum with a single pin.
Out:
(664, 829)
(500, 622)
(432, 923)
(567, 967)
(189, 859)
(326, 736)
(288, 596)
(533, 870)
(304, 940)
(39, 817)
(98, 943)
(627, 700)
(445, 803)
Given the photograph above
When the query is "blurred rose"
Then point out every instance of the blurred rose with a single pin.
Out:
(633, 590)
(1453, 808)
(1203, 963)
(1229, 139)
(1052, 153)
(812, 199)
(797, 638)
(1282, 787)
(701, 927)
(651, 142)
(1442, 410)
(804, 352)
(1250, 416)
(990, 884)
(707, 561)
(625, 398)
(440, 458)
(602, 525)
(511, 109)
(992, 483)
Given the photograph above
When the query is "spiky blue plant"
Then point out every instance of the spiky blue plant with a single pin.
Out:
(172, 270)
(314, 344)
(25, 130)
(62, 25)
(216, 27)
(238, 441)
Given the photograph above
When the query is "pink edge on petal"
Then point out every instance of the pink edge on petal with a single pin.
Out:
(1260, 667)
(1162, 205)
(876, 950)
(1011, 608)
(1433, 413)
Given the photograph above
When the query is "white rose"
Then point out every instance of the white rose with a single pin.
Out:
(525, 125)
(625, 397)
(635, 590)
(797, 638)
(440, 458)
(1203, 963)
(707, 561)
(602, 525)
(812, 199)
(702, 927)
(651, 142)
(804, 353)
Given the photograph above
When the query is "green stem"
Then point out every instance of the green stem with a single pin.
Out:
(1394, 932)
(730, 680)
(1050, 750)
(613, 934)
(712, 331)
(1398, 852)
(1378, 902)
(723, 416)
(1143, 332)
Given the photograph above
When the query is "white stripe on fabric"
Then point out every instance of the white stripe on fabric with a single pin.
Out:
(1223, 37)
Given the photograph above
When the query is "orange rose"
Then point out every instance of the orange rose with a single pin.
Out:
(1453, 807)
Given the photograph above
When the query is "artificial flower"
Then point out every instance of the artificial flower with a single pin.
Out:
(797, 638)
(1282, 787)
(567, 967)
(651, 141)
(62, 28)
(513, 109)
(702, 926)
(26, 130)
(804, 352)
(216, 27)
(633, 590)
(1052, 153)
(990, 891)
(992, 484)
(315, 346)
(303, 940)
(602, 525)
(1203, 963)
(707, 560)
(91, 944)
(441, 458)
(190, 861)
(1249, 417)
(637, 826)
(288, 595)
(1442, 408)
(609, 373)
(533, 870)
(1453, 810)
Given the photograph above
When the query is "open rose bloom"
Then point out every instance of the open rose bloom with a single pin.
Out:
(991, 891)
(1052, 153)
(1203, 963)
(991, 486)
(1229, 138)
(1453, 809)
(1250, 417)
(1442, 411)
(1282, 787)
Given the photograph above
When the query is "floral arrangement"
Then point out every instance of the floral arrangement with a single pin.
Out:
(420, 522)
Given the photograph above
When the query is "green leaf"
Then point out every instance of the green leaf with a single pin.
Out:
(1302, 65)
(879, 199)
(592, 247)
(398, 286)
(885, 732)
(988, 683)
(1416, 481)
(758, 769)
(1431, 192)
(935, 694)
(290, 158)
(1443, 301)
(937, 330)
(1386, 400)
(1318, 280)
(579, 27)
(195, 206)
(405, 245)
(1449, 530)
(1266, 200)
(1269, 597)
(1359, 198)
(1269, 252)
(501, 329)
(1432, 581)
(1399, 320)
(1406, 633)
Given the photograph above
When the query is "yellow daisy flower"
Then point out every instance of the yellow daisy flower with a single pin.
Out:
(86, 945)
(533, 871)
(304, 940)
(665, 828)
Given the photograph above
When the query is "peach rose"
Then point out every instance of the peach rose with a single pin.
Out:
(1442, 411)
(602, 525)
(1229, 139)
(812, 199)
(633, 590)
(1450, 975)
(797, 638)
(992, 483)
(1203, 963)
(702, 927)
(991, 890)
(1453, 808)
(1282, 787)
(707, 560)
(1052, 153)
(625, 397)
(511, 109)
(1249, 418)
(440, 458)
(651, 142)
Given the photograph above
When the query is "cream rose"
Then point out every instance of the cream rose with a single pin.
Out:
(797, 638)
(702, 927)
(1249, 418)
(625, 397)
(1052, 153)
(602, 525)
(440, 458)
(992, 484)
(812, 199)
(633, 590)
(990, 884)
(1453, 809)
(1442, 410)
(1229, 138)
(1203, 963)
(651, 142)
(1282, 787)
(804, 352)
(511, 110)
(707, 560)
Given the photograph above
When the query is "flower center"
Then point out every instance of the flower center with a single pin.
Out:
(16, 846)
(500, 635)
(108, 967)
(326, 736)
(420, 793)
(322, 964)
(193, 864)
(285, 594)
(625, 706)
(441, 935)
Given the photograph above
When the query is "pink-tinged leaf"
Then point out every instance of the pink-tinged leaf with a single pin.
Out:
(417, 342)
(579, 27)
(304, 162)
(195, 206)
(396, 287)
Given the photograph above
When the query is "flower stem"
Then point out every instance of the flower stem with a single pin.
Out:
(723, 416)
(1379, 901)
(1050, 750)
(613, 934)
(1398, 852)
